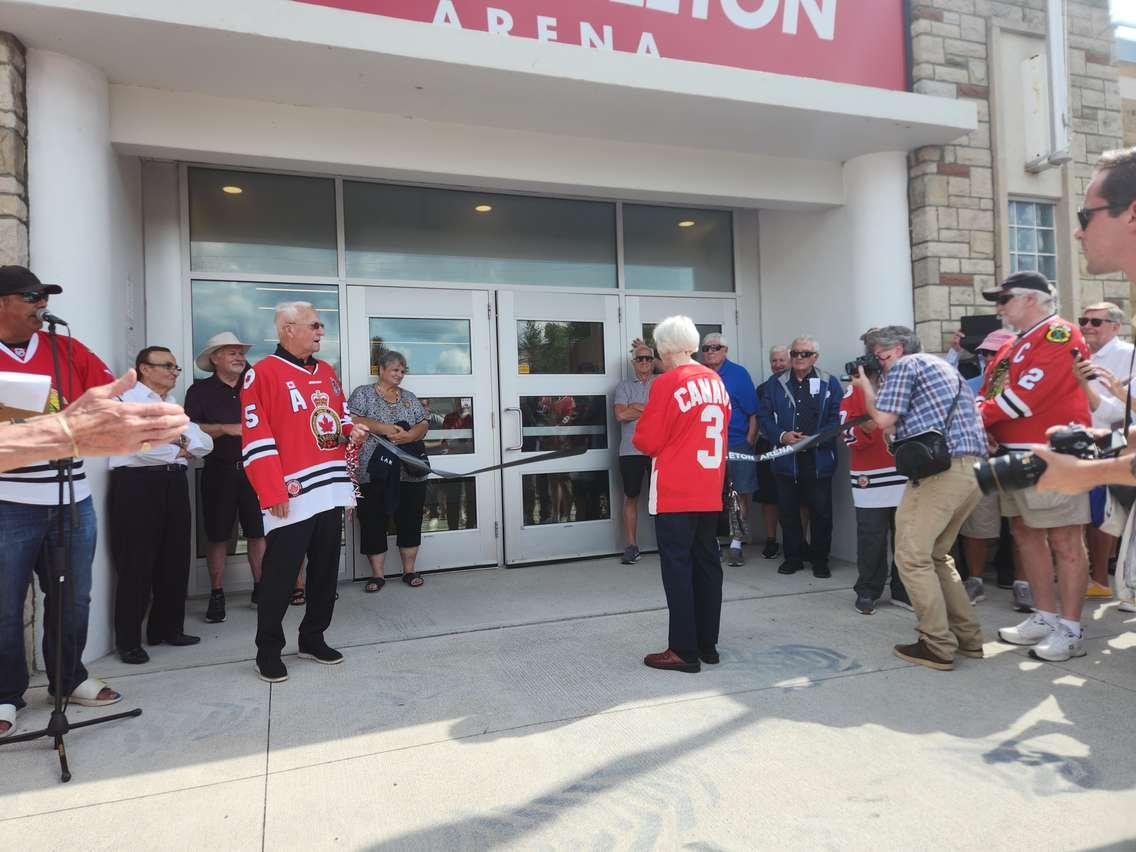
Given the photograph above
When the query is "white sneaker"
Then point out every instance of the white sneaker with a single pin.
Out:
(1062, 644)
(974, 590)
(1023, 596)
(1127, 606)
(1029, 632)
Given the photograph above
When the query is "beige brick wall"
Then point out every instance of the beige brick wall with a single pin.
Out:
(955, 211)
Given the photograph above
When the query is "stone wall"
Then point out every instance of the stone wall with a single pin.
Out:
(955, 214)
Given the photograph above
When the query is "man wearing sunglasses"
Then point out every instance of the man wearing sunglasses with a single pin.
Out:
(1029, 387)
(630, 400)
(742, 430)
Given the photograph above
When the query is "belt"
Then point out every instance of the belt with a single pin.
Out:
(152, 468)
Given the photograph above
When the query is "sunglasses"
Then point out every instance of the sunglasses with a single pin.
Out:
(173, 368)
(32, 296)
(1095, 322)
(1006, 297)
(1085, 214)
(801, 353)
(642, 359)
(314, 326)
(712, 348)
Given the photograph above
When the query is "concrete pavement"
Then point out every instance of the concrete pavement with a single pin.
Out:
(511, 708)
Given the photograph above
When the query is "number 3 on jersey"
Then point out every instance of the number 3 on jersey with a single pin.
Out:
(715, 418)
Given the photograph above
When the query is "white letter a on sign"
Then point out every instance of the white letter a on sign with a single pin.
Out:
(447, 15)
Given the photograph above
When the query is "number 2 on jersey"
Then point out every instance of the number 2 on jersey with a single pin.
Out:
(715, 418)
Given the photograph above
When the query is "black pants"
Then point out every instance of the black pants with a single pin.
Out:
(816, 496)
(149, 543)
(872, 529)
(407, 517)
(692, 579)
(317, 538)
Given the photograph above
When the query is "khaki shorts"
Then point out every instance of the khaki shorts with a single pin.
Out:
(1046, 510)
(985, 521)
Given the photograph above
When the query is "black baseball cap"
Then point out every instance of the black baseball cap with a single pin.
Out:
(1020, 281)
(20, 279)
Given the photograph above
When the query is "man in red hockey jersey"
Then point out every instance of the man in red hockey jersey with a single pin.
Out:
(1029, 386)
(683, 430)
(295, 420)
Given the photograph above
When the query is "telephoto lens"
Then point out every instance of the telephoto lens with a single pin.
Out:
(1011, 472)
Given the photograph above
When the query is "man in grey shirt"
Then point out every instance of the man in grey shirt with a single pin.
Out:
(630, 399)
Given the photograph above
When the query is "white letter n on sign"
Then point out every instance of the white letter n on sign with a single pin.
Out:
(590, 38)
(821, 13)
(498, 21)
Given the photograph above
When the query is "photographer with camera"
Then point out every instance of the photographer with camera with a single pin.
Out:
(1029, 387)
(938, 438)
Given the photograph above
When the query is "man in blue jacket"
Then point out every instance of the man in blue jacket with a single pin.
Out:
(795, 404)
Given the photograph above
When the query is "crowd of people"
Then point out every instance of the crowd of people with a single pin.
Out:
(285, 451)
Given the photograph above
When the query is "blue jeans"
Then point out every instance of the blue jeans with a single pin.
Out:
(28, 533)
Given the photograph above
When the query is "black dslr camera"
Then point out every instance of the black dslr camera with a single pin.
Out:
(868, 361)
(1015, 471)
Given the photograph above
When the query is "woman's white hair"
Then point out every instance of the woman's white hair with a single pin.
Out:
(287, 312)
(676, 334)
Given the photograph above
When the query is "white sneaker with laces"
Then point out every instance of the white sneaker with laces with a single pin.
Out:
(1127, 606)
(1031, 631)
(1062, 644)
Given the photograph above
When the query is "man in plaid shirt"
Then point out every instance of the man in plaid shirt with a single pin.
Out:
(917, 395)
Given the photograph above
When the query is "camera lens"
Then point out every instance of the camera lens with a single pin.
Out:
(1011, 472)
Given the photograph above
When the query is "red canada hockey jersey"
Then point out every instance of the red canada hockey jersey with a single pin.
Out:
(82, 370)
(294, 418)
(683, 430)
(871, 467)
(1029, 385)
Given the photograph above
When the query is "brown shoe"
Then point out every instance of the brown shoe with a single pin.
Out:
(671, 661)
(921, 654)
(974, 653)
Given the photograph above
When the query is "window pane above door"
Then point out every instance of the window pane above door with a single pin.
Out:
(411, 233)
(560, 348)
(431, 347)
(676, 248)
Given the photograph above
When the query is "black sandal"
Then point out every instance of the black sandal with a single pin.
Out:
(299, 598)
(375, 584)
(413, 579)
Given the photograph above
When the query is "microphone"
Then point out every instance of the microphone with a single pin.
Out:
(48, 317)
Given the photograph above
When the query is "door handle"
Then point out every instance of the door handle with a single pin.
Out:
(520, 438)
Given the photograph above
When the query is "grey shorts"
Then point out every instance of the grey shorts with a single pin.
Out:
(742, 473)
(1046, 510)
(985, 521)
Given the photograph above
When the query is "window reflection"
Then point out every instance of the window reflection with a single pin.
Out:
(450, 420)
(563, 422)
(248, 310)
(675, 248)
(703, 330)
(432, 347)
(561, 498)
(565, 348)
(451, 505)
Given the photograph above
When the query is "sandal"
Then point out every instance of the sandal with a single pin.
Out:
(8, 716)
(87, 694)
(374, 584)
(298, 598)
(413, 579)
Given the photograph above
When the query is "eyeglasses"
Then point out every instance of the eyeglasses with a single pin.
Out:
(712, 348)
(1095, 322)
(801, 353)
(314, 326)
(644, 359)
(32, 296)
(173, 368)
(1006, 297)
(1085, 214)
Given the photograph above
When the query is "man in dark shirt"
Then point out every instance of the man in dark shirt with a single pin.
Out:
(214, 404)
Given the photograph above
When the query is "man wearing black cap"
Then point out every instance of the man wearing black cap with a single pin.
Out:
(29, 508)
(1030, 386)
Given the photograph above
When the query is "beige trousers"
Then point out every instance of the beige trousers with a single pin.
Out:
(926, 525)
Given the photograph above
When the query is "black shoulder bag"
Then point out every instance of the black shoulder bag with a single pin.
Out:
(926, 454)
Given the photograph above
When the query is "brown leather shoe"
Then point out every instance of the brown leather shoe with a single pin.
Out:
(922, 655)
(671, 661)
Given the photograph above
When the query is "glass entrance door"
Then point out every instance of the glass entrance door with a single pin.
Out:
(560, 356)
(446, 338)
(646, 312)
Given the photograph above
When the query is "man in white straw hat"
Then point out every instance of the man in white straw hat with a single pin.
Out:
(214, 404)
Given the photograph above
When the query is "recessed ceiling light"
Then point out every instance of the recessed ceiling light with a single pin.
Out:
(686, 223)
(483, 208)
(232, 190)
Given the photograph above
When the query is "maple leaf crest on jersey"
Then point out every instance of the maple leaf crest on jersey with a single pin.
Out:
(325, 422)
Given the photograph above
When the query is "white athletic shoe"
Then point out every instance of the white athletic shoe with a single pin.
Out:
(1062, 644)
(1031, 631)
(1127, 606)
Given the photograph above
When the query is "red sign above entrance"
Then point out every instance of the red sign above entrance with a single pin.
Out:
(846, 41)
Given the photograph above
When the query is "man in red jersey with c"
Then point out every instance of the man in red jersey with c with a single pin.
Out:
(683, 430)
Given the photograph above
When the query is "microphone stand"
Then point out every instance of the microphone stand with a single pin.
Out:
(60, 589)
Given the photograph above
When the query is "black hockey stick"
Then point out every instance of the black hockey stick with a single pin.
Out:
(800, 446)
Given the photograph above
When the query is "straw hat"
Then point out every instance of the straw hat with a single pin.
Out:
(218, 341)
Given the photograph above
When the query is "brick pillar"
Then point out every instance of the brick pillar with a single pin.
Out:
(14, 199)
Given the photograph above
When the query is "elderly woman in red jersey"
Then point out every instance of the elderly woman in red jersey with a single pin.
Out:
(683, 430)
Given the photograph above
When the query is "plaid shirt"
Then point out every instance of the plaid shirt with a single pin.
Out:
(920, 388)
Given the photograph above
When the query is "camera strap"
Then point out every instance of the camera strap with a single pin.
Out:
(1128, 398)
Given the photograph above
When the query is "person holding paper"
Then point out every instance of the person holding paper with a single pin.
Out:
(30, 507)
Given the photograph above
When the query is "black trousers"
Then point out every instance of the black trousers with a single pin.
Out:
(692, 579)
(373, 517)
(814, 494)
(872, 529)
(317, 538)
(149, 543)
